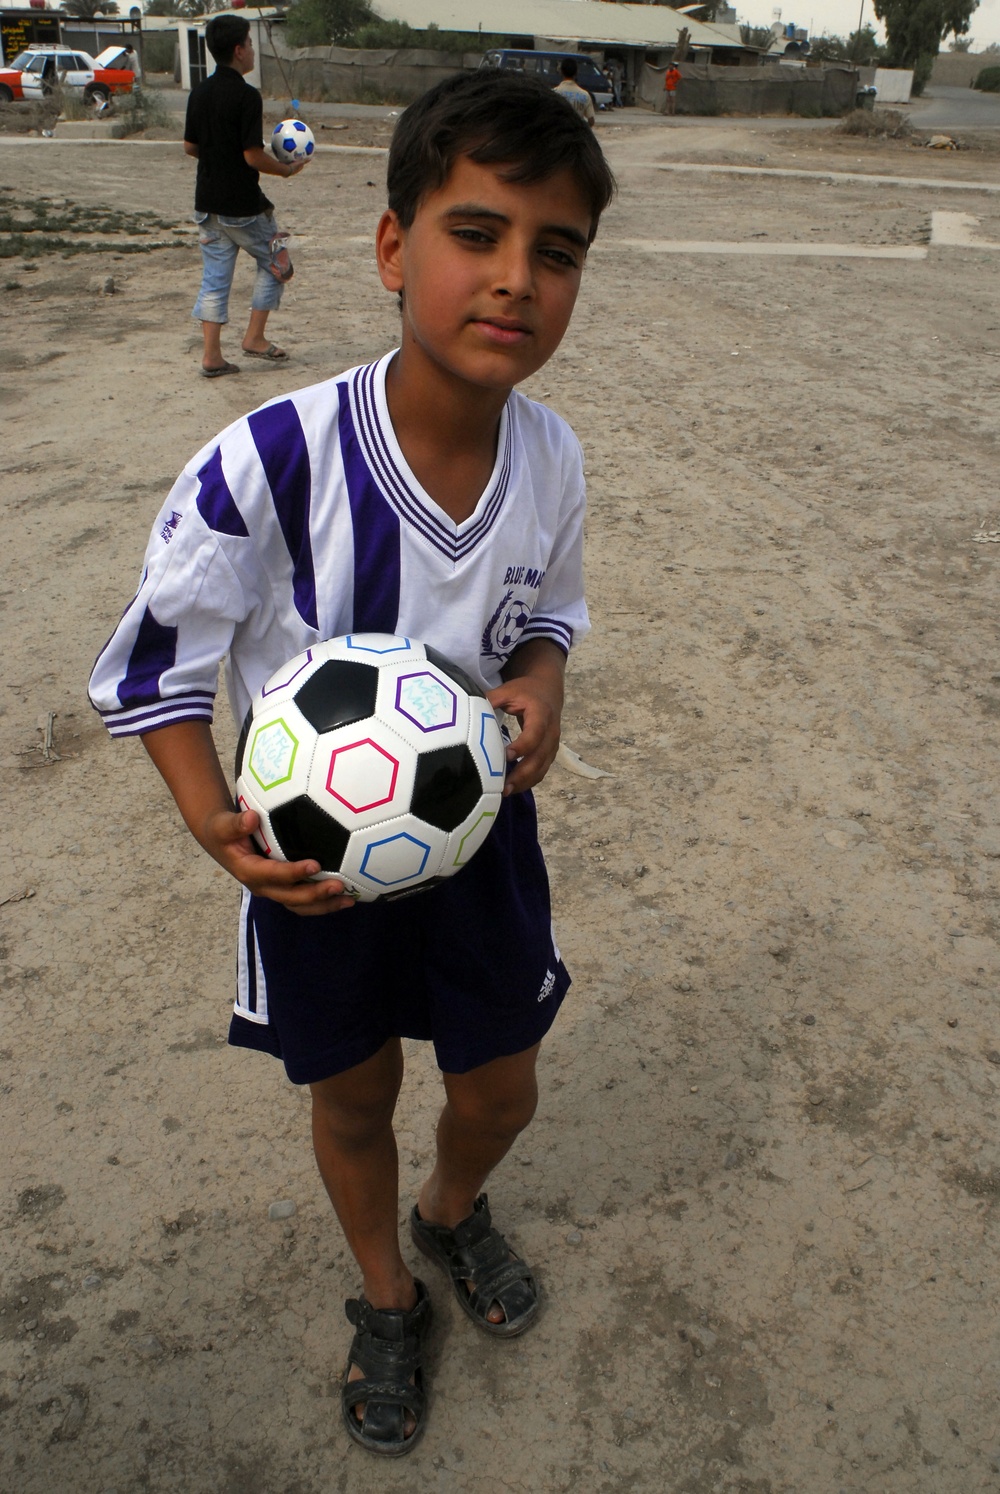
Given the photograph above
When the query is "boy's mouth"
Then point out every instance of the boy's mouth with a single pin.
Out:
(503, 330)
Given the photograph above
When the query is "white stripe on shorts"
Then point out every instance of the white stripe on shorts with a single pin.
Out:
(251, 987)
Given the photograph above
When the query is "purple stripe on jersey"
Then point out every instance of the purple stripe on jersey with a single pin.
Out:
(281, 445)
(378, 452)
(199, 700)
(559, 633)
(139, 728)
(215, 501)
(376, 536)
(153, 653)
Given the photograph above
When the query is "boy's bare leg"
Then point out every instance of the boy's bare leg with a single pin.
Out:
(211, 334)
(255, 339)
(355, 1150)
(485, 1112)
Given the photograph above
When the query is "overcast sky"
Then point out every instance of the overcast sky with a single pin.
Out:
(840, 17)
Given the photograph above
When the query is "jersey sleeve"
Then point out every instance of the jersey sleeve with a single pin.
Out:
(161, 664)
(560, 612)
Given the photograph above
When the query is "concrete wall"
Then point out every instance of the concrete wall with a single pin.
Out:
(769, 89)
(958, 69)
(894, 84)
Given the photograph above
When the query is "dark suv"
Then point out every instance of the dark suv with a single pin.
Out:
(545, 65)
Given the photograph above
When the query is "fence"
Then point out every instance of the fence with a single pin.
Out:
(341, 74)
(770, 89)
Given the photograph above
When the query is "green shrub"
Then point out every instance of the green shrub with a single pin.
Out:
(885, 124)
(135, 112)
(988, 81)
(158, 48)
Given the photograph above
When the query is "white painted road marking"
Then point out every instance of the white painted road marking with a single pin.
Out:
(958, 230)
(856, 178)
(758, 246)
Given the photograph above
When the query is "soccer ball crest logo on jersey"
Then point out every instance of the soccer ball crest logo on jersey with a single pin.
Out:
(502, 632)
(375, 756)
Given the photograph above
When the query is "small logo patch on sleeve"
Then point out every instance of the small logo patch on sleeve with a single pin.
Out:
(167, 532)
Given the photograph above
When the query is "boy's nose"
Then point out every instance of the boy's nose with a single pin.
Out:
(516, 277)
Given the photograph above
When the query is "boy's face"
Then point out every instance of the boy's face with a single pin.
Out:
(489, 272)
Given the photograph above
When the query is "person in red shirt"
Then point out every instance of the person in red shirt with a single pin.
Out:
(670, 83)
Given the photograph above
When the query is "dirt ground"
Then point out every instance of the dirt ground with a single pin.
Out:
(762, 1189)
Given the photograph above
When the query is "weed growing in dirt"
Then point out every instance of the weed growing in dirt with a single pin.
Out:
(136, 112)
(881, 124)
(31, 229)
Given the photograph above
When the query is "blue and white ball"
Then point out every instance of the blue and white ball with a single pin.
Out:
(291, 140)
(375, 756)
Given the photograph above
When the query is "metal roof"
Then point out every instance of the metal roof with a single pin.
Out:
(557, 20)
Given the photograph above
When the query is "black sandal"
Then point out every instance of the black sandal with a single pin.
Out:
(478, 1260)
(387, 1348)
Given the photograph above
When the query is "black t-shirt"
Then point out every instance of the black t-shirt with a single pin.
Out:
(225, 117)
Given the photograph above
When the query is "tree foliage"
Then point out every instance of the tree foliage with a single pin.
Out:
(756, 36)
(89, 10)
(352, 23)
(320, 23)
(182, 9)
(861, 47)
(915, 30)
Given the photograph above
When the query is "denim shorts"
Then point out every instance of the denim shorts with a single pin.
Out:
(471, 964)
(221, 240)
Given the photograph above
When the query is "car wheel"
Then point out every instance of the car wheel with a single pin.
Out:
(97, 94)
(6, 95)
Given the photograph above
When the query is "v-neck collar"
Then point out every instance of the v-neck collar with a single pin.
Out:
(398, 485)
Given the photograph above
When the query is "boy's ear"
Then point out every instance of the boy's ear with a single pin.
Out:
(389, 239)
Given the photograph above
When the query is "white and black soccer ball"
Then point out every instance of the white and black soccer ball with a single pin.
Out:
(375, 756)
(291, 140)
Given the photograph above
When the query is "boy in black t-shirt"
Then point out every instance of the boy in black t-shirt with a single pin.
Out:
(224, 132)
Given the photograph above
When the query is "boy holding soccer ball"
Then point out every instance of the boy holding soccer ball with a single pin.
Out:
(417, 495)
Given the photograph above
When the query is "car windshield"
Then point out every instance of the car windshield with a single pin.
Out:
(588, 75)
(21, 61)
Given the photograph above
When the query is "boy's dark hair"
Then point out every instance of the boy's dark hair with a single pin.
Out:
(495, 118)
(224, 34)
(568, 67)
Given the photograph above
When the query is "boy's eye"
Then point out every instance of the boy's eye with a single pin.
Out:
(473, 235)
(562, 257)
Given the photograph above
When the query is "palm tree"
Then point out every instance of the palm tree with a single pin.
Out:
(89, 10)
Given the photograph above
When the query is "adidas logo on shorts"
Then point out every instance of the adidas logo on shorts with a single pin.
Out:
(548, 985)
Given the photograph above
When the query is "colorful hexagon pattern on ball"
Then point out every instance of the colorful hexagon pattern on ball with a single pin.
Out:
(375, 756)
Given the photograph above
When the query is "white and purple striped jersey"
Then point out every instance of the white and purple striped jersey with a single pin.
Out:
(302, 521)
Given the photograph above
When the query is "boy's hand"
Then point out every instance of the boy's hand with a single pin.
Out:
(227, 837)
(533, 695)
(186, 757)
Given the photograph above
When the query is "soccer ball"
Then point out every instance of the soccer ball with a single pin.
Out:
(291, 140)
(375, 756)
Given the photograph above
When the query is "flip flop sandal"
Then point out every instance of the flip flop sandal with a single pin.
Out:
(478, 1259)
(387, 1348)
(220, 373)
(272, 353)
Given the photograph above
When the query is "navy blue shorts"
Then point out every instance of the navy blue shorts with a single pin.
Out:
(470, 964)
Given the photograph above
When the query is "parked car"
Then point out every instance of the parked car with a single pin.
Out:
(545, 65)
(37, 70)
